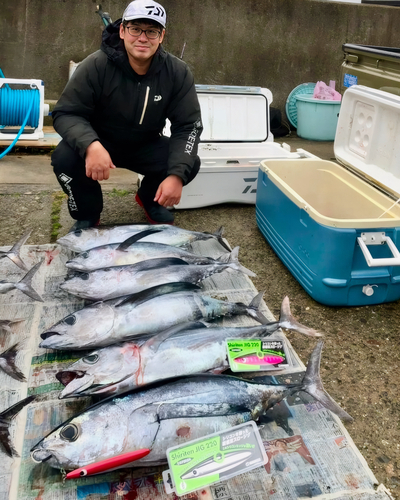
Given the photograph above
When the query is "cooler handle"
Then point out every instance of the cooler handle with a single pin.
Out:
(378, 239)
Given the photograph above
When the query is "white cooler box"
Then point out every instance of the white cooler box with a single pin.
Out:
(236, 137)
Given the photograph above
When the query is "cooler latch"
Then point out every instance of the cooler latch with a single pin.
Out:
(378, 238)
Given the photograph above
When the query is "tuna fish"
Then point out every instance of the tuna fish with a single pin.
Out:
(6, 418)
(13, 254)
(168, 414)
(181, 350)
(82, 240)
(148, 312)
(133, 251)
(7, 363)
(24, 285)
(112, 282)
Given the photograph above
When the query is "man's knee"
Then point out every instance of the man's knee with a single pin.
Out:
(65, 160)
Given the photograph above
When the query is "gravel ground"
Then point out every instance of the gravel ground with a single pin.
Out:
(361, 364)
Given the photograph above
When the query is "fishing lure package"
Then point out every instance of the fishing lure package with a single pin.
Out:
(251, 355)
(214, 458)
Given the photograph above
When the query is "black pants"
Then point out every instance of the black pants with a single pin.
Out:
(85, 198)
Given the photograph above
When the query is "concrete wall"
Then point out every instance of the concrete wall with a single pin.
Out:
(276, 44)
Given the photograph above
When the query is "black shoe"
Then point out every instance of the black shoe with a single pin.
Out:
(84, 224)
(155, 213)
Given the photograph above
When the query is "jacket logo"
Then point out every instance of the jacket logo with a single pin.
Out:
(157, 98)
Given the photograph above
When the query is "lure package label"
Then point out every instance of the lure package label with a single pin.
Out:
(216, 457)
(246, 355)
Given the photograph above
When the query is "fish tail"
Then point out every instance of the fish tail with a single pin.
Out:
(14, 253)
(288, 322)
(25, 285)
(6, 418)
(234, 263)
(312, 384)
(10, 368)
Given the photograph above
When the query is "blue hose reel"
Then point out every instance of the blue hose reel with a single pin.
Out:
(21, 107)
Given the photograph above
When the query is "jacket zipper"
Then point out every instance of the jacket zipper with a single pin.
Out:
(145, 105)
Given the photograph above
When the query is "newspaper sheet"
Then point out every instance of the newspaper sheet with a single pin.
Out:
(310, 452)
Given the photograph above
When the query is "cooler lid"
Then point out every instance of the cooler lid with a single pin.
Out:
(234, 114)
(367, 133)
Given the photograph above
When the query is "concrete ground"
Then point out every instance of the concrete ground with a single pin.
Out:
(361, 356)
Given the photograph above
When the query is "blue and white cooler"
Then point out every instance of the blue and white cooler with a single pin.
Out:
(336, 226)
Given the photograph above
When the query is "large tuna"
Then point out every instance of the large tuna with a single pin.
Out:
(133, 251)
(148, 312)
(112, 282)
(181, 350)
(85, 239)
(169, 414)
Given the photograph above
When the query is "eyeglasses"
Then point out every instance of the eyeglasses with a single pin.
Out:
(151, 33)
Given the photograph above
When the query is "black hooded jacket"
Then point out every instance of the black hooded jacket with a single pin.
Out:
(106, 99)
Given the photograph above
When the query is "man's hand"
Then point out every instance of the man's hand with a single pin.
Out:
(169, 192)
(98, 162)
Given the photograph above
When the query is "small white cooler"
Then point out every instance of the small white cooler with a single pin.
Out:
(236, 137)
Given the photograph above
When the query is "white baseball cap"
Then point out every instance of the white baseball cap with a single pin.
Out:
(145, 9)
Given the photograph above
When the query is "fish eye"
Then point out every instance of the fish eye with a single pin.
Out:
(69, 433)
(78, 232)
(85, 276)
(92, 359)
(70, 320)
(85, 255)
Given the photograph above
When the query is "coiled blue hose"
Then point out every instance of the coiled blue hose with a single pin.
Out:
(18, 107)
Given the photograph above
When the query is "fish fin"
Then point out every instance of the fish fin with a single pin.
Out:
(6, 417)
(234, 263)
(154, 342)
(312, 384)
(10, 368)
(218, 235)
(136, 237)
(287, 321)
(253, 309)
(25, 284)
(156, 291)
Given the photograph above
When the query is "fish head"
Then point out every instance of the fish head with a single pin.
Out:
(89, 260)
(80, 240)
(84, 284)
(76, 442)
(101, 371)
(89, 327)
